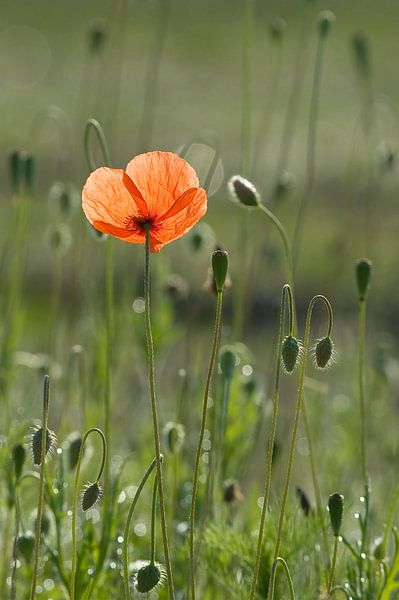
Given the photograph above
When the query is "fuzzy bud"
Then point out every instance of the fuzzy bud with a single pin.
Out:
(175, 435)
(18, 454)
(26, 545)
(363, 275)
(148, 577)
(75, 442)
(243, 191)
(324, 353)
(220, 264)
(325, 21)
(290, 353)
(36, 444)
(92, 493)
(336, 508)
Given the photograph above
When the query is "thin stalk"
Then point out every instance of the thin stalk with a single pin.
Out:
(334, 561)
(153, 517)
(125, 547)
(282, 562)
(246, 95)
(38, 532)
(269, 451)
(215, 340)
(157, 445)
(311, 147)
(316, 485)
(15, 544)
(75, 497)
(361, 353)
(286, 243)
(389, 524)
(298, 410)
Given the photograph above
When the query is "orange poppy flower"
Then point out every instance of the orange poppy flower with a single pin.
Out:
(158, 190)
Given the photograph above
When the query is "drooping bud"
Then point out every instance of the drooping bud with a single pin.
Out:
(325, 21)
(243, 191)
(18, 455)
(227, 363)
(175, 435)
(290, 353)
(36, 444)
(324, 353)
(92, 493)
(149, 577)
(363, 275)
(59, 237)
(336, 508)
(220, 264)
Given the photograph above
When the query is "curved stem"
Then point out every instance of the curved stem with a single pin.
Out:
(334, 561)
(361, 352)
(157, 445)
(282, 562)
(93, 124)
(125, 548)
(215, 340)
(75, 496)
(298, 410)
(286, 292)
(340, 588)
(38, 532)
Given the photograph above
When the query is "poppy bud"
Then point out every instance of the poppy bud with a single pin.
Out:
(26, 545)
(227, 363)
(148, 577)
(323, 353)
(97, 35)
(18, 454)
(290, 353)
(325, 21)
(174, 434)
(243, 191)
(92, 493)
(284, 185)
(361, 50)
(36, 444)
(75, 442)
(363, 274)
(59, 237)
(277, 28)
(336, 508)
(220, 263)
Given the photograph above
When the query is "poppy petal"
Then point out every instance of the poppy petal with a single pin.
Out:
(177, 224)
(181, 203)
(123, 234)
(106, 199)
(161, 177)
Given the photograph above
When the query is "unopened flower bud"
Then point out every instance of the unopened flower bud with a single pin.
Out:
(92, 493)
(290, 353)
(325, 21)
(149, 577)
(363, 275)
(324, 353)
(336, 508)
(18, 454)
(220, 264)
(243, 191)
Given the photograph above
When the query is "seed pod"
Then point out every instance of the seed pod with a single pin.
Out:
(227, 363)
(175, 434)
(36, 444)
(325, 21)
(26, 545)
(243, 191)
(290, 353)
(148, 577)
(92, 493)
(19, 455)
(220, 264)
(324, 353)
(363, 275)
(336, 508)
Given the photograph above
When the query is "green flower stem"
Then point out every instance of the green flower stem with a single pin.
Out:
(38, 532)
(246, 95)
(126, 534)
(282, 562)
(389, 524)
(75, 497)
(286, 294)
(94, 125)
(153, 517)
(361, 353)
(333, 564)
(157, 445)
(311, 147)
(15, 544)
(216, 334)
(316, 486)
(298, 409)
